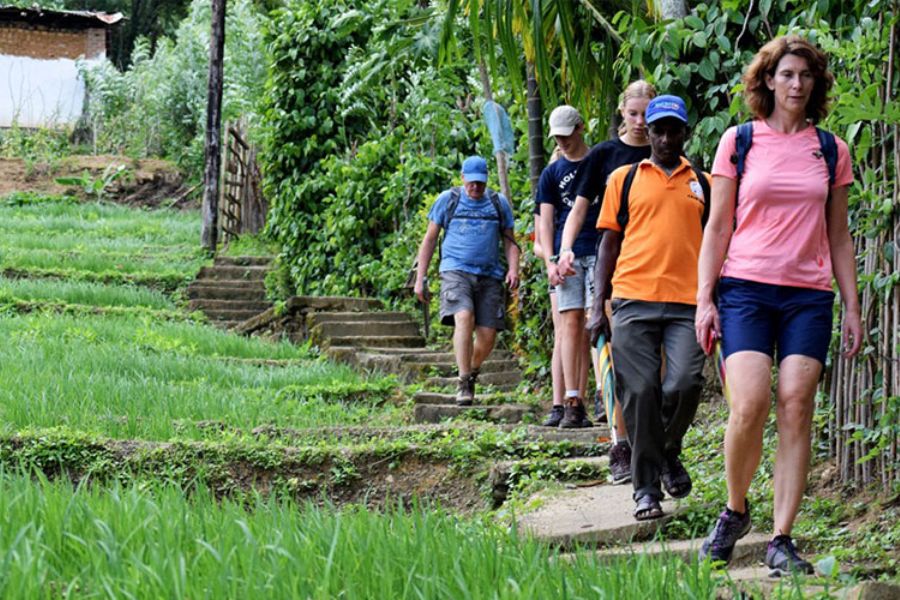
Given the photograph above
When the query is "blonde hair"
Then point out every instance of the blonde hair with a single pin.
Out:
(636, 89)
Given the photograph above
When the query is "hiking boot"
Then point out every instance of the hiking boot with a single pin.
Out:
(620, 462)
(556, 415)
(782, 559)
(730, 527)
(575, 415)
(465, 394)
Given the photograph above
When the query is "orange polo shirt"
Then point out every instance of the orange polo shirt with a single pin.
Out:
(661, 245)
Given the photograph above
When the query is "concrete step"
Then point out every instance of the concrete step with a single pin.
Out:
(226, 272)
(450, 398)
(449, 369)
(435, 413)
(590, 468)
(237, 316)
(206, 304)
(370, 328)
(332, 304)
(351, 317)
(429, 354)
(500, 379)
(405, 341)
(749, 550)
(600, 515)
(246, 261)
(225, 290)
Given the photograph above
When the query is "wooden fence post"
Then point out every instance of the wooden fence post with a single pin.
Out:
(213, 159)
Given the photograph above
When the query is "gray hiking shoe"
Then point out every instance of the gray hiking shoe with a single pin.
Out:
(782, 558)
(730, 527)
(556, 415)
(575, 415)
(620, 463)
(465, 390)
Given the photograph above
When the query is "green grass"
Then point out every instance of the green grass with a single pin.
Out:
(127, 377)
(154, 542)
(83, 292)
(66, 239)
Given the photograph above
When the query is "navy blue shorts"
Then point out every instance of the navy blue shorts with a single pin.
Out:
(763, 317)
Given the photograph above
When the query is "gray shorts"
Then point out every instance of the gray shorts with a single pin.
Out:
(484, 296)
(577, 291)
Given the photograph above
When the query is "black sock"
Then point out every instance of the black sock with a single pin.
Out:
(781, 537)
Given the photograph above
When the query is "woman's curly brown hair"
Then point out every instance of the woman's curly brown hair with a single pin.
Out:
(761, 100)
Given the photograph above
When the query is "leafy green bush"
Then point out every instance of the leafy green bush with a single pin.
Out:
(158, 106)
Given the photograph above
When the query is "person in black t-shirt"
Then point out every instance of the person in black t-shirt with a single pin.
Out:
(631, 146)
(555, 197)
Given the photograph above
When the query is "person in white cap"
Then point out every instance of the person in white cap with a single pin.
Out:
(555, 197)
(474, 219)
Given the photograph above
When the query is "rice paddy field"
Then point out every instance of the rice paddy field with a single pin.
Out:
(146, 454)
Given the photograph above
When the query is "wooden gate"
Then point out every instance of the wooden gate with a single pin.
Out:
(243, 208)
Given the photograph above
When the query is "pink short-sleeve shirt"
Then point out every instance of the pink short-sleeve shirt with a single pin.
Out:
(781, 236)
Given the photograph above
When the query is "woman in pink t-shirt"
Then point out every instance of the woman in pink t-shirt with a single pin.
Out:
(773, 276)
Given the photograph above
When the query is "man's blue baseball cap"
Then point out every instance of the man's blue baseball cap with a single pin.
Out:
(666, 106)
(474, 168)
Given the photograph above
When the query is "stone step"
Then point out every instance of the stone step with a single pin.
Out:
(332, 304)
(600, 515)
(501, 379)
(225, 272)
(369, 328)
(234, 261)
(238, 316)
(449, 369)
(428, 354)
(427, 397)
(449, 357)
(506, 413)
(591, 468)
(206, 304)
(404, 341)
(224, 290)
(352, 317)
(749, 550)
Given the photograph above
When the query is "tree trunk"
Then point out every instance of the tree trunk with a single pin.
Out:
(213, 161)
(671, 9)
(502, 166)
(535, 129)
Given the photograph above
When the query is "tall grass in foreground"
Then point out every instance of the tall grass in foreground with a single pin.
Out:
(153, 542)
(139, 378)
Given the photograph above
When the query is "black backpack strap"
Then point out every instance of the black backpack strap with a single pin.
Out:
(452, 203)
(828, 147)
(707, 195)
(622, 216)
(742, 142)
(494, 197)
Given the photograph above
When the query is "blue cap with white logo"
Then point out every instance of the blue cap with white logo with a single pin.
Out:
(666, 106)
(475, 168)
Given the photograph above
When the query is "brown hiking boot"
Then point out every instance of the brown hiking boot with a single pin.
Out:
(465, 394)
(574, 415)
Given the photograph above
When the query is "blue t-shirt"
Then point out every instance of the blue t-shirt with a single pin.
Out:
(557, 187)
(472, 242)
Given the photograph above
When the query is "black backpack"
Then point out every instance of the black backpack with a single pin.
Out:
(453, 203)
(623, 215)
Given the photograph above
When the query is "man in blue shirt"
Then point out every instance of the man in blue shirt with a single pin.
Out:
(474, 219)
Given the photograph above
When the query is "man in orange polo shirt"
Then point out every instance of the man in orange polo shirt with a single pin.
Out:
(649, 250)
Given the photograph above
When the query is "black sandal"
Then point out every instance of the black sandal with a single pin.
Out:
(647, 509)
(676, 480)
